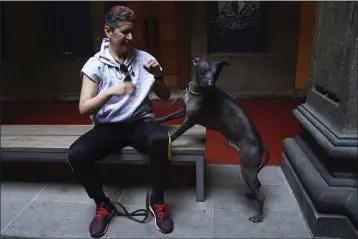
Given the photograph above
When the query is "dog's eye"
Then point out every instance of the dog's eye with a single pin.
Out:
(204, 70)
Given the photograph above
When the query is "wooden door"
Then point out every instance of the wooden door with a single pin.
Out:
(173, 44)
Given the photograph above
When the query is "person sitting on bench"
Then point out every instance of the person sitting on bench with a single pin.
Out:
(116, 83)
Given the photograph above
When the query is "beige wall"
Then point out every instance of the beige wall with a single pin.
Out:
(257, 74)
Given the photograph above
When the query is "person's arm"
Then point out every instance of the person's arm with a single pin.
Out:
(162, 89)
(90, 102)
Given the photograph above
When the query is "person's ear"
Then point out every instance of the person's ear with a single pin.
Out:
(108, 31)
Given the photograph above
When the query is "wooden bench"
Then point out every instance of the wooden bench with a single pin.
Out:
(51, 142)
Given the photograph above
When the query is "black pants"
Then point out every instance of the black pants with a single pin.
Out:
(147, 137)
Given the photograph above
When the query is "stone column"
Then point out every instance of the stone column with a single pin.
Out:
(320, 163)
(0, 33)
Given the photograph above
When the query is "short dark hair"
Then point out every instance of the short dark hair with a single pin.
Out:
(118, 14)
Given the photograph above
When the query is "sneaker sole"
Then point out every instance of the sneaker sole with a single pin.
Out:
(102, 234)
(155, 220)
(105, 230)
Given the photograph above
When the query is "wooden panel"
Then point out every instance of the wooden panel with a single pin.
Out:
(172, 80)
(169, 58)
(183, 45)
(174, 43)
(97, 17)
(167, 11)
(142, 13)
(168, 31)
(308, 13)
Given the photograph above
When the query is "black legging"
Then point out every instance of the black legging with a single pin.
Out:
(147, 137)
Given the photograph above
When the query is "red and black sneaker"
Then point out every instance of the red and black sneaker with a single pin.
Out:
(162, 215)
(99, 225)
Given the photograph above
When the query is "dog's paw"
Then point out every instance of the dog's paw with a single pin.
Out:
(250, 196)
(256, 219)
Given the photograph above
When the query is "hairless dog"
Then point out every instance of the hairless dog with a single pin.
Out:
(209, 106)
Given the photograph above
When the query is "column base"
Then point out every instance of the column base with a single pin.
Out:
(329, 210)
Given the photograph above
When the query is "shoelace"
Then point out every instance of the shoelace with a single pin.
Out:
(101, 211)
(162, 209)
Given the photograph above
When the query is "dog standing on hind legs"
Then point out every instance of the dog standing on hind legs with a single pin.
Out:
(211, 107)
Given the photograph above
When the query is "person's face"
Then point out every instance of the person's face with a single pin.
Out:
(122, 36)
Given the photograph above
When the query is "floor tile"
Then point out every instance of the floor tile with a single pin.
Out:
(20, 189)
(236, 224)
(225, 174)
(75, 193)
(231, 197)
(186, 198)
(52, 220)
(269, 175)
(135, 196)
(10, 208)
(272, 175)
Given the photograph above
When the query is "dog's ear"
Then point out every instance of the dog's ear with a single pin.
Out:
(221, 64)
(195, 60)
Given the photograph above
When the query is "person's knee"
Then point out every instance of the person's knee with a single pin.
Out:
(77, 155)
(161, 141)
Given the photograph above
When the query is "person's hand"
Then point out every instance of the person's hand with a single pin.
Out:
(153, 68)
(125, 88)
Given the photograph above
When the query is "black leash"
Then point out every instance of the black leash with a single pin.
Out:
(137, 213)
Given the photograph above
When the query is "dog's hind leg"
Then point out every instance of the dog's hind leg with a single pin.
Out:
(251, 195)
(250, 179)
(249, 174)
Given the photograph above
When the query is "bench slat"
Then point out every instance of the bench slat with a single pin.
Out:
(75, 130)
(58, 138)
(186, 143)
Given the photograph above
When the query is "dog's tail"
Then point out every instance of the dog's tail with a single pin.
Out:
(267, 153)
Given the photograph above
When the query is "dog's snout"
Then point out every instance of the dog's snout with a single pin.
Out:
(208, 85)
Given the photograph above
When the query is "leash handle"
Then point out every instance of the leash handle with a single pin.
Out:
(137, 213)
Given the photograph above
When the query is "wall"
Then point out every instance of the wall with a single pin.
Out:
(256, 74)
(29, 74)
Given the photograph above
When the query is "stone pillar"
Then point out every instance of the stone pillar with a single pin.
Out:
(321, 163)
(0, 33)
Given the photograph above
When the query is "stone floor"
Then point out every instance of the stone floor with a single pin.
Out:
(37, 210)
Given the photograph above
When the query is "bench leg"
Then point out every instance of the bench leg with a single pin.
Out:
(200, 180)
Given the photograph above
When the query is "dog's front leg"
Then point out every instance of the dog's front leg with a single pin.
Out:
(175, 115)
(187, 124)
